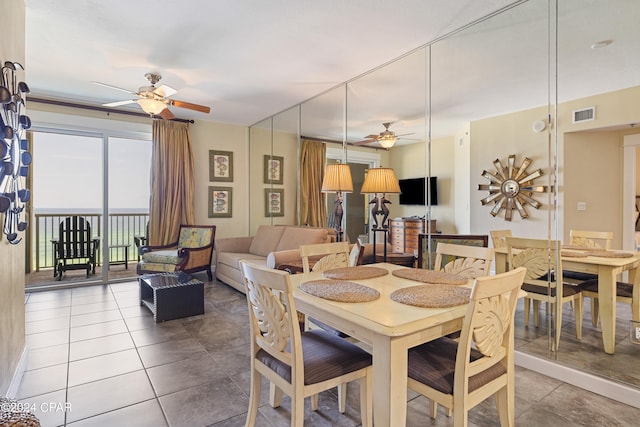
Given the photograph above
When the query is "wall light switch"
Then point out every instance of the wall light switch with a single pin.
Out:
(582, 206)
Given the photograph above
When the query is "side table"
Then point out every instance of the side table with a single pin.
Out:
(171, 295)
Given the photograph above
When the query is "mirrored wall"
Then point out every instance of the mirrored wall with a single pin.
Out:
(506, 86)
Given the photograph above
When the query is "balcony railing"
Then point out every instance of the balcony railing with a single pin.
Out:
(122, 227)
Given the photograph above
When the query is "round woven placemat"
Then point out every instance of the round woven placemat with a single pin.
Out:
(610, 254)
(430, 276)
(577, 247)
(573, 254)
(432, 296)
(354, 273)
(340, 291)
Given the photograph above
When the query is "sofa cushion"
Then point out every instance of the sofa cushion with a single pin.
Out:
(266, 239)
(169, 256)
(233, 259)
(293, 237)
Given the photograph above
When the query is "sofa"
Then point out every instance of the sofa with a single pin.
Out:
(271, 246)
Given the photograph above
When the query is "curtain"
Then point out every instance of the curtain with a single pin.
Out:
(313, 208)
(172, 181)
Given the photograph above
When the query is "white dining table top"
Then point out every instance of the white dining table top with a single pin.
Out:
(383, 315)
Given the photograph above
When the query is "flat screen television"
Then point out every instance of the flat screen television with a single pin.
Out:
(412, 191)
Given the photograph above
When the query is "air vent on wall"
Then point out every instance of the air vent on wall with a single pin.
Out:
(584, 115)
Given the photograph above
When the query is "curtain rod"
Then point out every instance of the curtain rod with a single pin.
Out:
(333, 141)
(95, 108)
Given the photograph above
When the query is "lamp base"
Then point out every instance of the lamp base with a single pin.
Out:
(338, 213)
(379, 209)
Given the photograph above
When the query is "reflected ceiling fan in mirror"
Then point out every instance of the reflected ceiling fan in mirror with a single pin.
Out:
(385, 138)
(154, 100)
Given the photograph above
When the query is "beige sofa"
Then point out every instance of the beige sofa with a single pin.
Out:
(271, 246)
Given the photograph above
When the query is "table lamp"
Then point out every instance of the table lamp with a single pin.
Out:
(337, 177)
(380, 180)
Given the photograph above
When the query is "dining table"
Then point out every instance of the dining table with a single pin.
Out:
(388, 328)
(607, 268)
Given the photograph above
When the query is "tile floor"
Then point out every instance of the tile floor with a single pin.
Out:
(96, 358)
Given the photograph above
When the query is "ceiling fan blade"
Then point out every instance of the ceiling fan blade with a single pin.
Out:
(190, 106)
(405, 134)
(372, 136)
(364, 142)
(165, 91)
(115, 87)
(119, 103)
(167, 114)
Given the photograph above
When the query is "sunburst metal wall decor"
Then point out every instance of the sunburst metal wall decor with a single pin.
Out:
(511, 188)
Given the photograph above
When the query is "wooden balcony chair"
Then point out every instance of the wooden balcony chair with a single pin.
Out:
(463, 260)
(543, 281)
(190, 253)
(75, 248)
(300, 364)
(461, 374)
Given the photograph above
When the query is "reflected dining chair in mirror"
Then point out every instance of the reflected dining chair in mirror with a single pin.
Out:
(426, 253)
(299, 363)
(356, 255)
(463, 260)
(498, 238)
(460, 374)
(587, 239)
(190, 253)
(543, 281)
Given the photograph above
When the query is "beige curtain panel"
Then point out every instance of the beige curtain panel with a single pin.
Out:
(172, 181)
(313, 207)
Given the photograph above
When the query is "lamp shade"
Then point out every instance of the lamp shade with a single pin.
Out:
(337, 177)
(380, 180)
(151, 106)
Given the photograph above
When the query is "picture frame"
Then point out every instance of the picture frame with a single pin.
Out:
(273, 202)
(220, 166)
(273, 169)
(220, 202)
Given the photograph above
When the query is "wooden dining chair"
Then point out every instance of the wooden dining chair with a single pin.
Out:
(543, 281)
(467, 261)
(498, 238)
(300, 364)
(587, 239)
(328, 255)
(459, 374)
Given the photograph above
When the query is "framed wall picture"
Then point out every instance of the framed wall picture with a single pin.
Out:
(273, 202)
(273, 168)
(220, 202)
(220, 165)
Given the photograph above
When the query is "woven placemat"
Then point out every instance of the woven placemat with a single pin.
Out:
(432, 296)
(573, 254)
(354, 273)
(340, 291)
(430, 276)
(577, 247)
(610, 254)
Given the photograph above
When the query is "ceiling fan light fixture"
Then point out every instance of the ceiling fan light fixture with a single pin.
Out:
(387, 141)
(151, 106)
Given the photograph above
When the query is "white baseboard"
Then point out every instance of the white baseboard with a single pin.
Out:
(593, 383)
(14, 385)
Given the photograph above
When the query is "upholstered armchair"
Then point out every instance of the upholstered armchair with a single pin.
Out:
(190, 253)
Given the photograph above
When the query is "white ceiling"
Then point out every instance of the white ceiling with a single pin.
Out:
(249, 59)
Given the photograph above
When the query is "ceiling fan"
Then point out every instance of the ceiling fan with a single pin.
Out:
(155, 100)
(385, 138)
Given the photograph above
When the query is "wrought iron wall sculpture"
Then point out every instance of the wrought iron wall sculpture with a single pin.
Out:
(14, 157)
